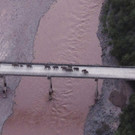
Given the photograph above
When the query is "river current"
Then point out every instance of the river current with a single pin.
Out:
(66, 34)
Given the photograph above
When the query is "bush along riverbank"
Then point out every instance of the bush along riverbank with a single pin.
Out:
(103, 117)
(118, 22)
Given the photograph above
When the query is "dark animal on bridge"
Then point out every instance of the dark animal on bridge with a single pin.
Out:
(69, 69)
(29, 65)
(70, 66)
(85, 71)
(63, 68)
(47, 67)
(15, 64)
(55, 67)
(76, 69)
(21, 65)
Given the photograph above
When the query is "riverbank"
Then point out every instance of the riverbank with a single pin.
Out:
(66, 34)
(103, 117)
(18, 26)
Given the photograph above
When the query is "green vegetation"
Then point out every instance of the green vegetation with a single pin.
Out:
(127, 119)
(119, 23)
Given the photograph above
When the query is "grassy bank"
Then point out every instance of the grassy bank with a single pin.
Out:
(119, 23)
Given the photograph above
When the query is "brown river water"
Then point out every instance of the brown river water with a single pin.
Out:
(66, 34)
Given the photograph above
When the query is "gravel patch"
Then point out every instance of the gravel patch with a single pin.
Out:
(103, 116)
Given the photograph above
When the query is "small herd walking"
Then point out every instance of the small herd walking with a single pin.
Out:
(67, 68)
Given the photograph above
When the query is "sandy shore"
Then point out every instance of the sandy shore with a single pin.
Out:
(17, 33)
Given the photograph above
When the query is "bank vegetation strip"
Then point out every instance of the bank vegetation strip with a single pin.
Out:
(118, 22)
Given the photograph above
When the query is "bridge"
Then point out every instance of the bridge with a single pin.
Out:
(66, 70)
(50, 70)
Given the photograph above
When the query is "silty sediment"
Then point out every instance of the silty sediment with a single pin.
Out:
(19, 22)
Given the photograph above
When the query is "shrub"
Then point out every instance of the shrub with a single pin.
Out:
(119, 15)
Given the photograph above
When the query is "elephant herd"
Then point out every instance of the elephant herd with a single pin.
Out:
(67, 68)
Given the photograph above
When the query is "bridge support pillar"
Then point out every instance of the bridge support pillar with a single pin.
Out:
(3, 86)
(96, 93)
(50, 89)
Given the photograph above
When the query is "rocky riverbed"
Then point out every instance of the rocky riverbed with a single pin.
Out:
(103, 117)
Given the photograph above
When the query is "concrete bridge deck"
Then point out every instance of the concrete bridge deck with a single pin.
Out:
(73, 71)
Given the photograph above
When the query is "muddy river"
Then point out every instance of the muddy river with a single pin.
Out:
(66, 34)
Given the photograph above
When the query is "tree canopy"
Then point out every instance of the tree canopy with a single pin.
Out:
(119, 22)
